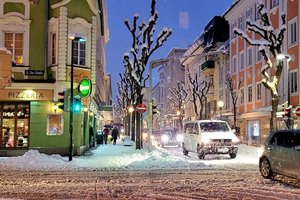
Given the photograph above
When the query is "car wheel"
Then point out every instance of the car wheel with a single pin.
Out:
(232, 155)
(185, 152)
(265, 168)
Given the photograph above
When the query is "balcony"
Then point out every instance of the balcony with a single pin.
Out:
(209, 64)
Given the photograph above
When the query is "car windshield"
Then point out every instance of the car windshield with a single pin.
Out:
(214, 126)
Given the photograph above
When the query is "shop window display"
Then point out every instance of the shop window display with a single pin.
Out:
(15, 125)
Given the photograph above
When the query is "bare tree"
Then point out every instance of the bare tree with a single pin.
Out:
(142, 48)
(197, 93)
(178, 97)
(234, 94)
(272, 40)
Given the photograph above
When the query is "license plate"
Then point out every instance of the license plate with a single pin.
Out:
(223, 150)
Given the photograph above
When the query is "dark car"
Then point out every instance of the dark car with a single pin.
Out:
(170, 137)
(281, 154)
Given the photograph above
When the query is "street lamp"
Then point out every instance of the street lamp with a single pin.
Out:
(287, 58)
(130, 110)
(220, 105)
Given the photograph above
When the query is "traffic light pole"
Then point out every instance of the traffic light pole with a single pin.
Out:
(71, 106)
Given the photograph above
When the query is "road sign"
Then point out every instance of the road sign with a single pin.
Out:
(141, 108)
(297, 112)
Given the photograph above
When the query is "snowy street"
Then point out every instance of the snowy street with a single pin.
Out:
(119, 172)
(170, 184)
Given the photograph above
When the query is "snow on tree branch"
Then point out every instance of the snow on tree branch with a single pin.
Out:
(273, 41)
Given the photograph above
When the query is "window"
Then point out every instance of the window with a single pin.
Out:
(79, 48)
(249, 14)
(241, 23)
(257, 15)
(294, 81)
(14, 43)
(249, 57)
(258, 91)
(232, 28)
(53, 48)
(258, 56)
(242, 61)
(284, 139)
(242, 96)
(250, 94)
(234, 64)
(292, 32)
(275, 3)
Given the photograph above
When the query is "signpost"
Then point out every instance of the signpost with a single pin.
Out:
(141, 108)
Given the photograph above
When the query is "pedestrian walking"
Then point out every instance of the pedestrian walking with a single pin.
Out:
(105, 134)
(114, 134)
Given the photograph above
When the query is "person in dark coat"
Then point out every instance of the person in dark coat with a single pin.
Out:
(114, 134)
(105, 134)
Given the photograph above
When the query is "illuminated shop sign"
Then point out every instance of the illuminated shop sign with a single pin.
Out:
(26, 95)
(85, 87)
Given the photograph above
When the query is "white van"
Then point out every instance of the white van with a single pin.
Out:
(209, 137)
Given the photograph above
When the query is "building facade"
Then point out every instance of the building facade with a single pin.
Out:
(170, 73)
(206, 58)
(246, 62)
(40, 42)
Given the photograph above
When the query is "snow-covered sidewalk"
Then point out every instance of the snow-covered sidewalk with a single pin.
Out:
(119, 157)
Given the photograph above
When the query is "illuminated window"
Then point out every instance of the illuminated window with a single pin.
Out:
(14, 43)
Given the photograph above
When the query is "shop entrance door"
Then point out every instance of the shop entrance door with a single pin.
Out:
(14, 125)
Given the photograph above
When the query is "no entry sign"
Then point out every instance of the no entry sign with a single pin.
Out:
(141, 108)
(297, 112)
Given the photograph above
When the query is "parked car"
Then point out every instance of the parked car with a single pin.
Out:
(281, 154)
(209, 137)
(170, 137)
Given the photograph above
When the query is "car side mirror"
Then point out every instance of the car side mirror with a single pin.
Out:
(297, 148)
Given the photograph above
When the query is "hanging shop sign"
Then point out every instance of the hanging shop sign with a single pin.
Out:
(85, 87)
(5, 68)
(78, 74)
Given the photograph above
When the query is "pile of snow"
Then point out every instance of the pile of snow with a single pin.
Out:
(120, 157)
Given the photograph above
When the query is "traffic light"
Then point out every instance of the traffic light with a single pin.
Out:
(63, 99)
(154, 107)
(76, 104)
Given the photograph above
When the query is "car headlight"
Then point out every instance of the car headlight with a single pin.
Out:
(235, 140)
(164, 138)
(260, 151)
(179, 138)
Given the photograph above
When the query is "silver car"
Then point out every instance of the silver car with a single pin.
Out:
(281, 154)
